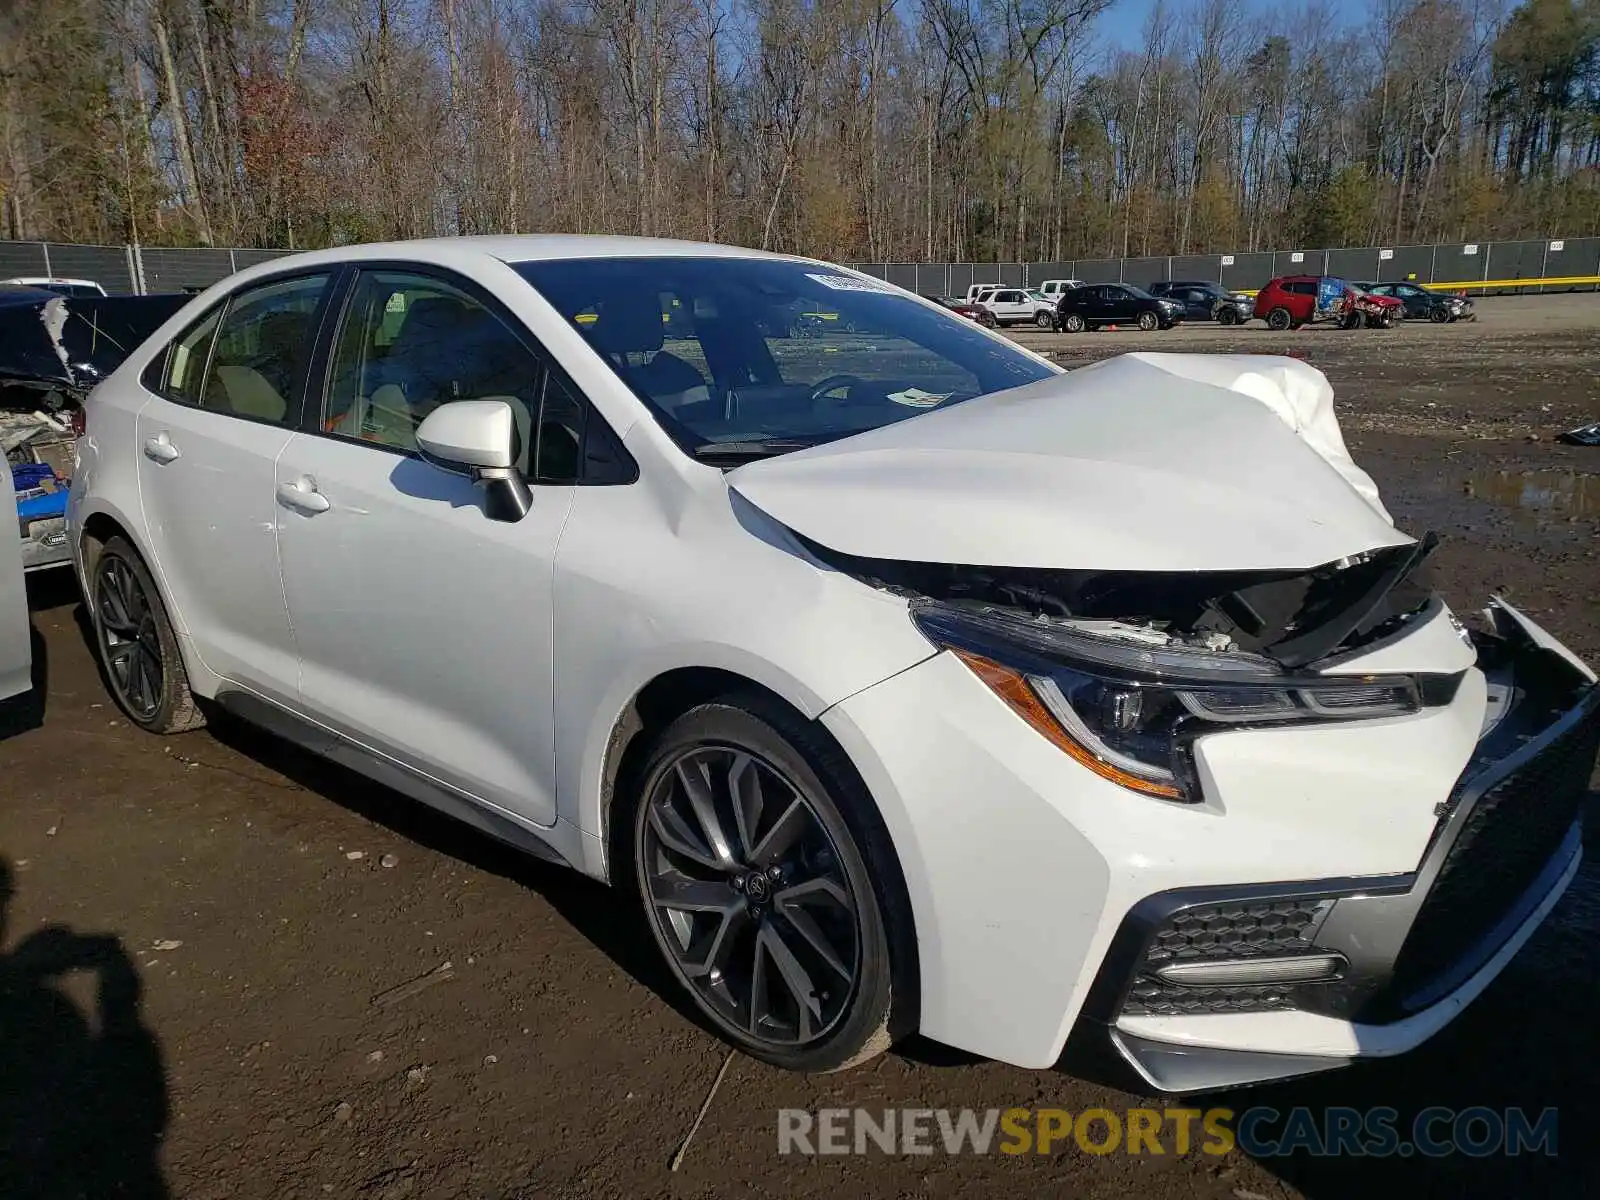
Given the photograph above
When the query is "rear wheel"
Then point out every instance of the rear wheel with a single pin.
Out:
(1278, 319)
(1148, 321)
(987, 320)
(1073, 323)
(770, 886)
(137, 645)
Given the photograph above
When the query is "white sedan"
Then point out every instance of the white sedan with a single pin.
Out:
(911, 683)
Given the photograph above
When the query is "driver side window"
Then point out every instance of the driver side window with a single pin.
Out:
(408, 344)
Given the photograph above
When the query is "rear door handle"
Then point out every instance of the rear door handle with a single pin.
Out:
(302, 496)
(160, 448)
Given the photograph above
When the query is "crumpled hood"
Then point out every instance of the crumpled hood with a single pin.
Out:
(1158, 462)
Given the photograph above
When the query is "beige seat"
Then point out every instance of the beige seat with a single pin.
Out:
(245, 391)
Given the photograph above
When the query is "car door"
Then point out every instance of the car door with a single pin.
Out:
(424, 626)
(225, 401)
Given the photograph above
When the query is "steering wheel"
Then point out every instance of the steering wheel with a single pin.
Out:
(832, 384)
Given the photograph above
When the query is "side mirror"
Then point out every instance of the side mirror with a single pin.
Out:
(478, 438)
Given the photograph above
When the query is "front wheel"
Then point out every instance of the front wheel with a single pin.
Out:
(1227, 317)
(1073, 323)
(1044, 320)
(137, 645)
(1278, 319)
(1148, 322)
(770, 886)
(1439, 316)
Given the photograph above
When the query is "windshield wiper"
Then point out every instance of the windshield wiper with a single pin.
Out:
(755, 448)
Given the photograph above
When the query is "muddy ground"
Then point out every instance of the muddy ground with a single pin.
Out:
(202, 930)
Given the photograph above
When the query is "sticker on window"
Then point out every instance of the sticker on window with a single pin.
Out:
(917, 398)
(849, 283)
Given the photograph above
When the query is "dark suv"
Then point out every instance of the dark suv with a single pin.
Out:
(1204, 301)
(1097, 304)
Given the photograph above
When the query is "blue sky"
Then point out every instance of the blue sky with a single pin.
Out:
(1121, 25)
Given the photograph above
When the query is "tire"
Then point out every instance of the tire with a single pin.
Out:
(1352, 321)
(727, 950)
(1278, 319)
(1073, 323)
(1044, 320)
(1439, 315)
(1149, 322)
(1227, 317)
(136, 643)
(987, 320)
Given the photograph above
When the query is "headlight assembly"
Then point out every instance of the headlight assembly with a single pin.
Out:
(1129, 704)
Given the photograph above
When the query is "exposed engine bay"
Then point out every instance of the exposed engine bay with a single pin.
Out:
(1294, 618)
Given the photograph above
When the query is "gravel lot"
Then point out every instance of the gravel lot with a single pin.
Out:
(199, 927)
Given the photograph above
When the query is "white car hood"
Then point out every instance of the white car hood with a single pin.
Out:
(1145, 462)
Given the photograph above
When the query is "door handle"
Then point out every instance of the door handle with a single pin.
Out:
(302, 496)
(160, 448)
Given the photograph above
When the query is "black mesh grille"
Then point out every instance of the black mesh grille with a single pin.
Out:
(1226, 930)
(1510, 835)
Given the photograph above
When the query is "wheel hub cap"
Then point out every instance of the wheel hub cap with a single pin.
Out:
(748, 896)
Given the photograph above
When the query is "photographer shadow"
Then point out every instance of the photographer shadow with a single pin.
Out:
(83, 1097)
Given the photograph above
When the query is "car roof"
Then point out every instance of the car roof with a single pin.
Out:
(521, 248)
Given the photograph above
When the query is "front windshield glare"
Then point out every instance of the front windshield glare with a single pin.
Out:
(747, 351)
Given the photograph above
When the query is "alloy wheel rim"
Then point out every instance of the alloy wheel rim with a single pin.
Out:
(129, 641)
(749, 896)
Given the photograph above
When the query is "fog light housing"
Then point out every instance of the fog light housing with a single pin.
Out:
(1239, 972)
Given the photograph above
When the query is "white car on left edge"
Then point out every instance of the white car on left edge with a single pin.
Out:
(910, 683)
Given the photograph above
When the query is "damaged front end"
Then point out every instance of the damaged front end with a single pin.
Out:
(53, 351)
(1123, 670)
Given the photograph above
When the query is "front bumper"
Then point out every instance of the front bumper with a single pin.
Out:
(1413, 950)
(1044, 896)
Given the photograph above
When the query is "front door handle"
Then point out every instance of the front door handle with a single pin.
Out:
(302, 496)
(160, 448)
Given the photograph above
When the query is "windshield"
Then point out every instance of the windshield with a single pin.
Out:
(749, 353)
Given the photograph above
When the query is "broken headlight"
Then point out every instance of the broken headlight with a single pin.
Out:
(1127, 702)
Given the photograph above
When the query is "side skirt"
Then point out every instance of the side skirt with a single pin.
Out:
(278, 721)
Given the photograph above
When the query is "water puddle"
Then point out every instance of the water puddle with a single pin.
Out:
(1568, 493)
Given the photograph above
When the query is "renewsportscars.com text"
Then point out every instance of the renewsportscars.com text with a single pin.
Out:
(1262, 1131)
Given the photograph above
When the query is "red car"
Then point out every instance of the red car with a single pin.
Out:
(963, 308)
(1291, 301)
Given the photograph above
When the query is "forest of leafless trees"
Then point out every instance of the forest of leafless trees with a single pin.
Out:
(899, 130)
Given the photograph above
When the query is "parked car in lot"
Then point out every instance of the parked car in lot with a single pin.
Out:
(911, 683)
(1372, 310)
(1095, 305)
(963, 308)
(1205, 301)
(53, 350)
(1291, 301)
(1014, 306)
(1052, 289)
(61, 287)
(1420, 304)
